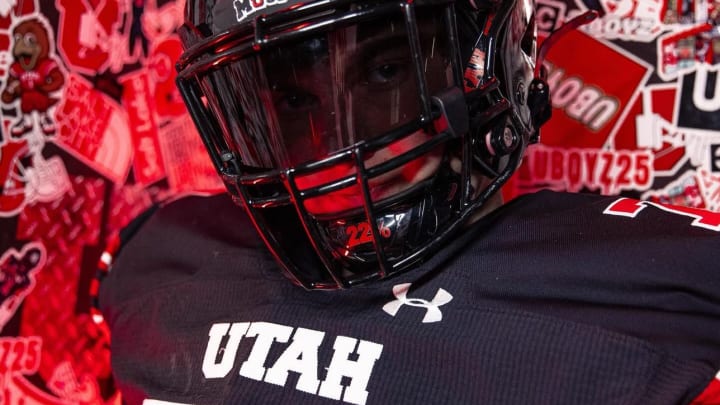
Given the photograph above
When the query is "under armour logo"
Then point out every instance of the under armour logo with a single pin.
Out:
(432, 308)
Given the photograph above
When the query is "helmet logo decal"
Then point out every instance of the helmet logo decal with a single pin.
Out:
(432, 308)
(246, 8)
(475, 70)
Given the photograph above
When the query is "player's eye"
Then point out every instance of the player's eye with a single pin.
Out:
(296, 101)
(386, 73)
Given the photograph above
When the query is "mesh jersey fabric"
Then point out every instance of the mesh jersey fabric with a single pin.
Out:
(547, 300)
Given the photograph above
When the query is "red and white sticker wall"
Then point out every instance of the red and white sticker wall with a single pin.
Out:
(93, 131)
(636, 102)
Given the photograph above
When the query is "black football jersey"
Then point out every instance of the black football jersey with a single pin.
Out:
(553, 298)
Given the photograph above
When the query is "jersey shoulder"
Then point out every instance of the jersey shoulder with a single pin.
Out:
(188, 239)
(611, 214)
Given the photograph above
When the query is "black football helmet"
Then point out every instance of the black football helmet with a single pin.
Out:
(355, 133)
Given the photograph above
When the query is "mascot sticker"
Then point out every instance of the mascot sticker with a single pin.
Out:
(33, 77)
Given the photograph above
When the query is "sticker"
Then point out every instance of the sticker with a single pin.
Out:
(628, 20)
(18, 277)
(33, 79)
(66, 384)
(186, 161)
(139, 104)
(94, 129)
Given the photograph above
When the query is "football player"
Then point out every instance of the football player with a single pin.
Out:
(371, 259)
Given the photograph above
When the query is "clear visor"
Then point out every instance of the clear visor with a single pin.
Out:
(304, 101)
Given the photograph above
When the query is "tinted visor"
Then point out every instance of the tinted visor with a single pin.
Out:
(288, 105)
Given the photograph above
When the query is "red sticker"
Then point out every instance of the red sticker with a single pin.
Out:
(593, 84)
(140, 105)
(18, 272)
(93, 128)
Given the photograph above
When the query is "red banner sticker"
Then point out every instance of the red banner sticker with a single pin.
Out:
(609, 172)
(142, 116)
(93, 128)
(591, 92)
(188, 164)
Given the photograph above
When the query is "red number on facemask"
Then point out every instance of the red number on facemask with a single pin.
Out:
(358, 235)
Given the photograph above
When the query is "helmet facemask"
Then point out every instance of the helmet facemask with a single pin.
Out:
(343, 130)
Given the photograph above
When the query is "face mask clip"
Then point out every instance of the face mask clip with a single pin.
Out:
(453, 111)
